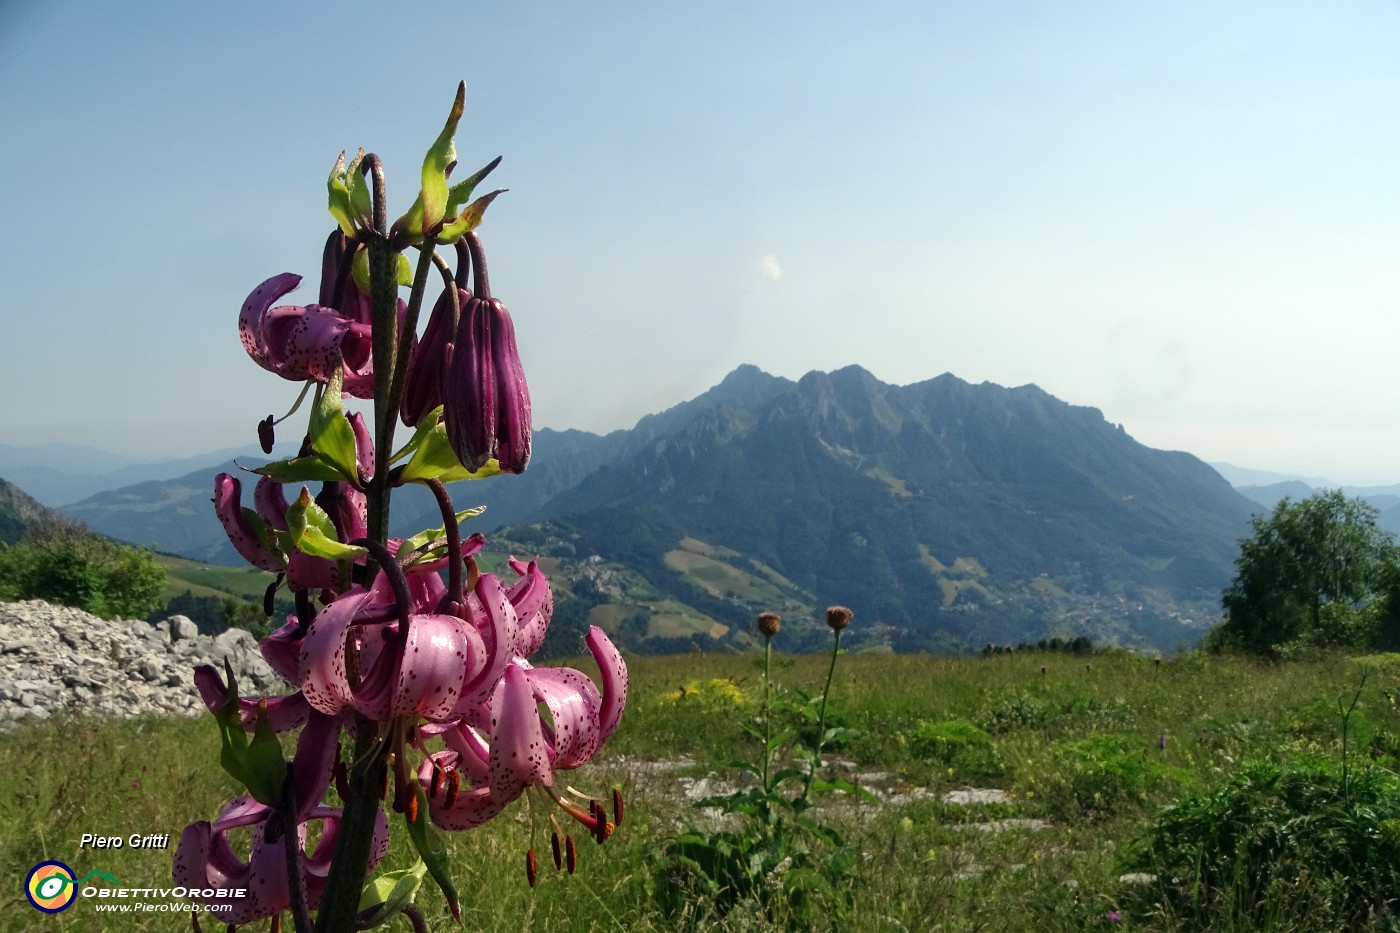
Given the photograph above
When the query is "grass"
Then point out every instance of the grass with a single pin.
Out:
(1090, 752)
(211, 580)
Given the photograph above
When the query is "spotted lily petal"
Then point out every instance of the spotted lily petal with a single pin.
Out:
(239, 525)
(496, 622)
(283, 713)
(534, 604)
(322, 673)
(441, 651)
(615, 679)
(518, 753)
(574, 705)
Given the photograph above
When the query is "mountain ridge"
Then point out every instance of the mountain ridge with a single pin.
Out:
(950, 511)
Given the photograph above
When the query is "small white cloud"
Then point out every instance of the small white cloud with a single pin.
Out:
(770, 268)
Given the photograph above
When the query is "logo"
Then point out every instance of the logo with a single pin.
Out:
(50, 887)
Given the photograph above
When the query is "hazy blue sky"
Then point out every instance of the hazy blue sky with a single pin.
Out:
(1185, 214)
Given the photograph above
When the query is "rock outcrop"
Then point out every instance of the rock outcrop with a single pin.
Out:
(56, 659)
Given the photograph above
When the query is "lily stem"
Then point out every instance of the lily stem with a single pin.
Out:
(291, 841)
(362, 810)
(454, 540)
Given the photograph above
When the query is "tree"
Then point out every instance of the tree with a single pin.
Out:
(66, 564)
(1306, 573)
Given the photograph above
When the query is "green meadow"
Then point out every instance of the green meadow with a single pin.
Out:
(1193, 793)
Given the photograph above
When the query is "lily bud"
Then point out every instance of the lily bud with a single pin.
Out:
(485, 397)
(422, 390)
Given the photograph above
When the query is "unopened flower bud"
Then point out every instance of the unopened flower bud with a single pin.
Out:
(769, 623)
(838, 617)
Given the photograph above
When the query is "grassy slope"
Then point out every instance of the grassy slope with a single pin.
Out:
(921, 868)
(211, 580)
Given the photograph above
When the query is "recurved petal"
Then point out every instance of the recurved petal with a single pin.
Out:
(533, 600)
(473, 752)
(314, 762)
(467, 809)
(228, 506)
(270, 502)
(283, 713)
(614, 675)
(322, 672)
(282, 652)
(364, 445)
(574, 707)
(250, 318)
(318, 862)
(494, 619)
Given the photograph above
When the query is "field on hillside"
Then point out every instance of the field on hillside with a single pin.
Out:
(1089, 754)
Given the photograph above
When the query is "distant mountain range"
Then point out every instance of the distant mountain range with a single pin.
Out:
(61, 474)
(946, 514)
(1386, 499)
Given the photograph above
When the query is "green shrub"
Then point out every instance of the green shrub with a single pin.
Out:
(68, 565)
(1291, 840)
(1020, 711)
(958, 745)
(1104, 773)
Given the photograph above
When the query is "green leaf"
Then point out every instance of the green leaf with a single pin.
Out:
(359, 270)
(429, 847)
(777, 740)
(435, 459)
(470, 218)
(300, 470)
(435, 534)
(425, 426)
(341, 208)
(332, 439)
(257, 765)
(390, 892)
(312, 531)
(438, 162)
(461, 192)
(429, 208)
(361, 203)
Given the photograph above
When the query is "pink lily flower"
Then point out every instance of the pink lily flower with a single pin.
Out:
(504, 747)
(411, 661)
(300, 342)
(204, 859)
(345, 505)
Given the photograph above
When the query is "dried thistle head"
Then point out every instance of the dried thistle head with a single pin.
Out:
(838, 617)
(769, 623)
